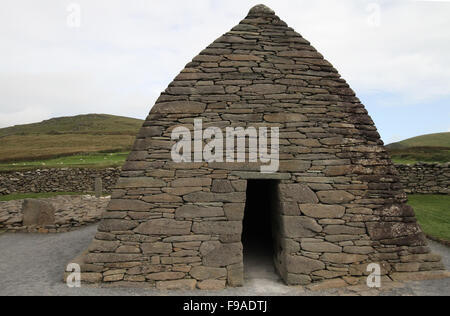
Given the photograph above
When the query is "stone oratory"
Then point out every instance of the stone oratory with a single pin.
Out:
(333, 207)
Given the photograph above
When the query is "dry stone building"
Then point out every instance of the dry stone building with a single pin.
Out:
(334, 206)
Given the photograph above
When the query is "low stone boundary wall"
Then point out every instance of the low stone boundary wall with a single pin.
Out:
(425, 178)
(71, 212)
(57, 180)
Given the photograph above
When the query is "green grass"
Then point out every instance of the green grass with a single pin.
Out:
(433, 214)
(21, 196)
(94, 160)
(420, 154)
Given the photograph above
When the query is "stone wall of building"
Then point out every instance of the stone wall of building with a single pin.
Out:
(57, 180)
(425, 178)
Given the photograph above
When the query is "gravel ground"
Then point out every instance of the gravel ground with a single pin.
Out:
(32, 264)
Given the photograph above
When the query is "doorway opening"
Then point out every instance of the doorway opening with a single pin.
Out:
(259, 229)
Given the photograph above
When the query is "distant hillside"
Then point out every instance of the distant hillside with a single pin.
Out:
(95, 124)
(430, 140)
(426, 148)
(68, 136)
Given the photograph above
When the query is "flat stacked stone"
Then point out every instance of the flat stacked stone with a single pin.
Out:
(340, 204)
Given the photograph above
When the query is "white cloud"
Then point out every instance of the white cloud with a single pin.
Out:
(126, 52)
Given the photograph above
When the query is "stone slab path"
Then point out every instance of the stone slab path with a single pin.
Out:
(32, 264)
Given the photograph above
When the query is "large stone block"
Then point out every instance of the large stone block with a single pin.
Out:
(222, 255)
(111, 225)
(37, 213)
(234, 211)
(299, 226)
(322, 211)
(219, 227)
(205, 273)
(343, 258)
(128, 205)
(194, 211)
(139, 182)
(320, 246)
(389, 230)
(335, 197)
(164, 226)
(303, 265)
(156, 248)
(191, 182)
(297, 193)
(181, 285)
(179, 107)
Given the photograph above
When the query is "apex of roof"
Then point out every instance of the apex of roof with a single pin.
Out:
(261, 9)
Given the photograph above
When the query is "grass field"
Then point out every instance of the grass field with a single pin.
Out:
(94, 160)
(420, 154)
(433, 214)
(68, 136)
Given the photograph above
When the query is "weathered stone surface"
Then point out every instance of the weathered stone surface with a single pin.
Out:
(335, 197)
(128, 205)
(343, 230)
(388, 230)
(221, 228)
(156, 248)
(221, 186)
(322, 211)
(164, 227)
(303, 265)
(110, 225)
(38, 213)
(298, 279)
(297, 193)
(194, 211)
(191, 182)
(111, 257)
(320, 247)
(235, 275)
(179, 107)
(299, 226)
(211, 285)
(265, 88)
(139, 182)
(363, 250)
(222, 255)
(205, 273)
(181, 285)
(342, 258)
(103, 246)
(163, 276)
(215, 197)
(234, 211)
(284, 117)
(162, 198)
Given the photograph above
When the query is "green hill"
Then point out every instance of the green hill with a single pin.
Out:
(425, 148)
(94, 124)
(431, 140)
(68, 136)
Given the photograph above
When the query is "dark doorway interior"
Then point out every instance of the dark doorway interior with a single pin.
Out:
(257, 238)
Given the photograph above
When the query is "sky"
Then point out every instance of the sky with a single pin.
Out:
(64, 58)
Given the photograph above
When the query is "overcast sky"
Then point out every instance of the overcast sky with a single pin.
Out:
(394, 54)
